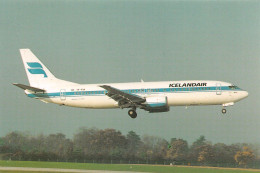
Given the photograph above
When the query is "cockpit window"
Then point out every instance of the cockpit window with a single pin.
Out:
(233, 87)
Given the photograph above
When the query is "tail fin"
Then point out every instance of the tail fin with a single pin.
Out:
(38, 75)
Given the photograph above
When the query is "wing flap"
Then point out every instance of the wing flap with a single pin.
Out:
(26, 87)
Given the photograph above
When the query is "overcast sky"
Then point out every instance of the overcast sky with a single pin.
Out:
(126, 41)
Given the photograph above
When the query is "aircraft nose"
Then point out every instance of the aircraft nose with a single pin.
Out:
(245, 94)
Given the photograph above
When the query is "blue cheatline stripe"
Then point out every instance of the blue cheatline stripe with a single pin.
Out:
(135, 91)
(34, 65)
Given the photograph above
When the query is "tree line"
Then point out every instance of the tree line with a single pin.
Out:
(111, 146)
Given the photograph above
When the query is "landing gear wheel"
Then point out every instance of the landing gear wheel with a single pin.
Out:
(132, 113)
(224, 111)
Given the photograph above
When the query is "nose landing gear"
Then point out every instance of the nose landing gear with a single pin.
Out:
(224, 111)
(132, 113)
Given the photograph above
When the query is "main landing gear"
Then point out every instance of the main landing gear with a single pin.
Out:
(132, 113)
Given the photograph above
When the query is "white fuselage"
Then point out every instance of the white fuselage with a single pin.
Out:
(178, 93)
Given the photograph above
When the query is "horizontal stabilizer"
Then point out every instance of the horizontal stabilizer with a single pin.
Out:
(26, 87)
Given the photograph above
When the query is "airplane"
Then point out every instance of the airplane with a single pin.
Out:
(149, 96)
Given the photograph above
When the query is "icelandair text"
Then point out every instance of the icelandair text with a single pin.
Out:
(188, 85)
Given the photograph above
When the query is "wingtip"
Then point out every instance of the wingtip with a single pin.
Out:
(102, 86)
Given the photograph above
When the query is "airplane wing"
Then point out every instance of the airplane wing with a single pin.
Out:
(124, 100)
(26, 87)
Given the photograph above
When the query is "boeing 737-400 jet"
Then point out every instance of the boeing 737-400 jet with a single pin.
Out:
(150, 96)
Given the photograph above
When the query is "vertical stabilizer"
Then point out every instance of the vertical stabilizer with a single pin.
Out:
(38, 75)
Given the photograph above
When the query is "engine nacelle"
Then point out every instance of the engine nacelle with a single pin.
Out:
(157, 104)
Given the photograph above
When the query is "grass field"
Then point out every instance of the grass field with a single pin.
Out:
(118, 167)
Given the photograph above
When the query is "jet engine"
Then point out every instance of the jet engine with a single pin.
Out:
(157, 104)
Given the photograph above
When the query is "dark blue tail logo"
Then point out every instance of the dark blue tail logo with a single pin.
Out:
(36, 68)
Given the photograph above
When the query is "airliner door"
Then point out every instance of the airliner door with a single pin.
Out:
(142, 91)
(62, 94)
(148, 91)
(218, 89)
